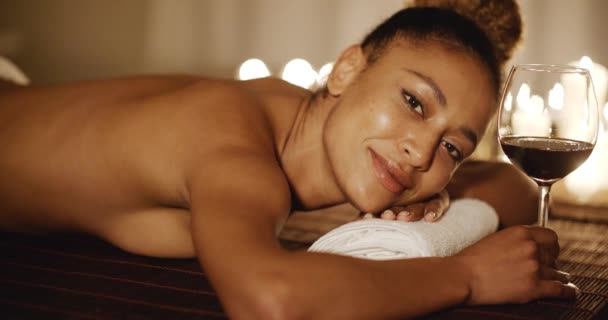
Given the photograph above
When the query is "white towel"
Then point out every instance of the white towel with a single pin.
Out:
(465, 222)
(10, 72)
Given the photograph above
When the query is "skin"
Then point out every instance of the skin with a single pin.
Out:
(184, 166)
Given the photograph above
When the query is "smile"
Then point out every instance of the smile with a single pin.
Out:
(386, 174)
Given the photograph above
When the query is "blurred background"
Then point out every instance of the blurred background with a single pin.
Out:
(57, 41)
(65, 40)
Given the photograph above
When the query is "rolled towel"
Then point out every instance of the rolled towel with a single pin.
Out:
(466, 222)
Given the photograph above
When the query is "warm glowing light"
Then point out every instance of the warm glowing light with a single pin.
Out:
(508, 104)
(531, 118)
(584, 180)
(253, 69)
(556, 97)
(585, 63)
(537, 104)
(299, 72)
(523, 97)
(324, 72)
(503, 157)
(588, 184)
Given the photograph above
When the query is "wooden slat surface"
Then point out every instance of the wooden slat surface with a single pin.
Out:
(78, 277)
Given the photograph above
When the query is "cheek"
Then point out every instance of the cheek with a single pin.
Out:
(383, 121)
(438, 176)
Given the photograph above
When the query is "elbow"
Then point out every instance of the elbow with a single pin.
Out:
(272, 298)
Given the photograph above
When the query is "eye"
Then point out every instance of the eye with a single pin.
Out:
(453, 151)
(412, 102)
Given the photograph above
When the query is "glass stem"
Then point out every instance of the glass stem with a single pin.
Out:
(543, 205)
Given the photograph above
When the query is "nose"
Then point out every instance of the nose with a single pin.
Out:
(419, 151)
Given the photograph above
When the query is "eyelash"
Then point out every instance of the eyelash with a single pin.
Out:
(414, 104)
(453, 151)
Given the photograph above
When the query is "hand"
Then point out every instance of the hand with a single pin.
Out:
(432, 209)
(515, 265)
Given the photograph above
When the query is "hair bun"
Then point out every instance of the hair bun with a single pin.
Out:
(499, 19)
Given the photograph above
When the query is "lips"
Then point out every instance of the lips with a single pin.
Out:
(391, 178)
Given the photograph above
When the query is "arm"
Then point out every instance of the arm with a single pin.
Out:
(237, 209)
(508, 190)
(504, 187)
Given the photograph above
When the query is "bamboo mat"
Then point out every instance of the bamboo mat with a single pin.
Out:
(584, 254)
(77, 277)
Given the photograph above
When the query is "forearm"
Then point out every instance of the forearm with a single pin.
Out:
(509, 191)
(363, 289)
(302, 285)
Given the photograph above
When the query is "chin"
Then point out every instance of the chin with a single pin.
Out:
(366, 200)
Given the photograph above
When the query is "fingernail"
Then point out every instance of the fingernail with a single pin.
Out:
(368, 216)
(566, 275)
(403, 215)
(576, 289)
(388, 214)
(431, 215)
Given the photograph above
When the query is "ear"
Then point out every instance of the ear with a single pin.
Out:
(350, 63)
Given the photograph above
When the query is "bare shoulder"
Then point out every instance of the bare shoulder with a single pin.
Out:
(136, 153)
(237, 143)
(234, 135)
(118, 145)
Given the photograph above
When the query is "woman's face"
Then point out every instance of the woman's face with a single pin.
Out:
(403, 124)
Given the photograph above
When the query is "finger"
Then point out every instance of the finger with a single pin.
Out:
(547, 240)
(388, 215)
(552, 274)
(533, 250)
(436, 206)
(412, 212)
(556, 289)
(547, 258)
(368, 215)
(360, 216)
(444, 196)
(433, 210)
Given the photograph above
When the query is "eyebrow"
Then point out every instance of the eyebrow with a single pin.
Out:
(443, 101)
(431, 83)
(469, 134)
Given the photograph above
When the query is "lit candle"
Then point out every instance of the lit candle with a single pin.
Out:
(299, 72)
(599, 76)
(530, 117)
(589, 178)
(587, 184)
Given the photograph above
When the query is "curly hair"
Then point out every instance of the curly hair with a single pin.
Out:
(490, 29)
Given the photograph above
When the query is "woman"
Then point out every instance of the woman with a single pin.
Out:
(183, 166)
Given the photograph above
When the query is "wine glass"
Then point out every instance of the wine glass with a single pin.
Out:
(547, 123)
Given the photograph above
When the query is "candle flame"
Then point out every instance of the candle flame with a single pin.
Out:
(252, 69)
(556, 97)
(324, 72)
(523, 97)
(299, 72)
(508, 104)
(537, 104)
(585, 63)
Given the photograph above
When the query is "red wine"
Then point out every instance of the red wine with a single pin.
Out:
(546, 160)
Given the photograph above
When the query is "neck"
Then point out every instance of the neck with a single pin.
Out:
(304, 159)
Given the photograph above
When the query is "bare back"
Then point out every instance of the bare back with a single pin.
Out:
(113, 158)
